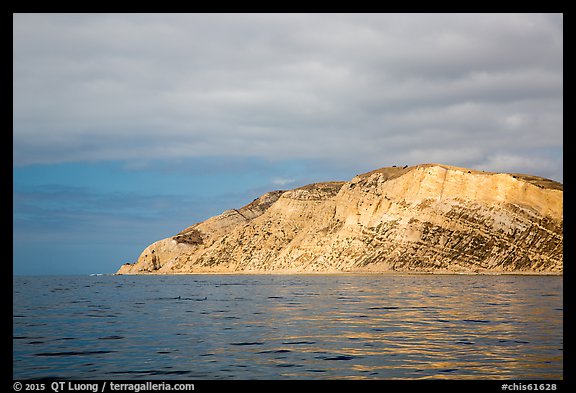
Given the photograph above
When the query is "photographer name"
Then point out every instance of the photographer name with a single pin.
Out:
(68, 386)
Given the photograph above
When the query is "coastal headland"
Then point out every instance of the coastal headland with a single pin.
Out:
(428, 218)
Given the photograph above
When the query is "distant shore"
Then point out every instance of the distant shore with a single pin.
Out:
(345, 274)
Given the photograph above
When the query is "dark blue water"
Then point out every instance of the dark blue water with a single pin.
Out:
(288, 326)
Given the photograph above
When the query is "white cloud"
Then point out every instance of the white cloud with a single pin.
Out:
(281, 181)
(527, 164)
(355, 87)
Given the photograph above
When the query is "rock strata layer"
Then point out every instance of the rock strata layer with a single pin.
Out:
(427, 218)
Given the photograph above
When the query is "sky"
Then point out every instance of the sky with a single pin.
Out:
(128, 128)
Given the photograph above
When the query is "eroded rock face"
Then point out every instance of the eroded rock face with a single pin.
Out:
(425, 218)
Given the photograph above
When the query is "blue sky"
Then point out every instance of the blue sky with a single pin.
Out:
(130, 127)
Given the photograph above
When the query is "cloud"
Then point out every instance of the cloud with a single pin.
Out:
(365, 89)
(528, 164)
(280, 181)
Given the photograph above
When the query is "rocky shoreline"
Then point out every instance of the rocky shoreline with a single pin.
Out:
(423, 219)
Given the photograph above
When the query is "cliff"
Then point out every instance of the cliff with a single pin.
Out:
(426, 218)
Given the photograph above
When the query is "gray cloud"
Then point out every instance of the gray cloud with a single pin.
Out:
(474, 90)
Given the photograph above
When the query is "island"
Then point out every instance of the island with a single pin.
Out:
(428, 218)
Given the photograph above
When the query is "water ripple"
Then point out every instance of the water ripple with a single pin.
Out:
(73, 353)
(283, 327)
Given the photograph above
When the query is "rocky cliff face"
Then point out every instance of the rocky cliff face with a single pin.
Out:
(425, 218)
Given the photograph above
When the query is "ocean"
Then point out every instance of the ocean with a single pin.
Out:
(270, 327)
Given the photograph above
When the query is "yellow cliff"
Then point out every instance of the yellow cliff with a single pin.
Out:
(427, 218)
